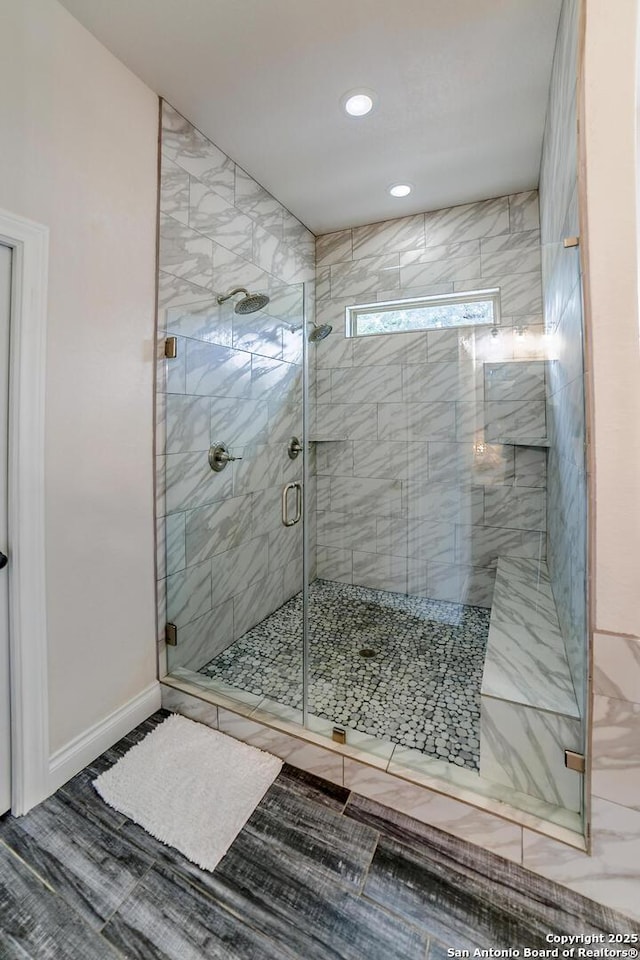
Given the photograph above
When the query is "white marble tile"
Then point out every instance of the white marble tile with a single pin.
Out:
(380, 572)
(351, 421)
(323, 283)
(617, 666)
(448, 251)
(470, 221)
(385, 349)
(174, 191)
(364, 384)
(518, 507)
(202, 320)
(285, 545)
(179, 702)
(174, 537)
(334, 563)
(306, 756)
(358, 494)
(251, 198)
(189, 594)
(531, 467)
(333, 248)
(274, 379)
(231, 270)
(524, 211)
(610, 874)
(447, 814)
(365, 276)
(211, 215)
(522, 380)
(528, 665)
(444, 345)
(346, 530)
(260, 467)
(217, 527)
(616, 751)
(481, 546)
(440, 381)
(524, 602)
(236, 569)
(382, 459)
(521, 260)
(416, 421)
(202, 639)
(216, 371)
(185, 253)
(520, 293)
(188, 423)
(431, 540)
(510, 242)
(257, 602)
(335, 459)
(238, 422)
(191, 483)
(516, 419)
(523, 748)
(440, 271)
(390, 236)
(191, 150)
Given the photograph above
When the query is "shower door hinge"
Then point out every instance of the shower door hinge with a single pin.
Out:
(571, 241)
(574, 761)
(171, 635)
(171, 348)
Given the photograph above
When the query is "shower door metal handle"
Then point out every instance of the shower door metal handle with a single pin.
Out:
(285, 503)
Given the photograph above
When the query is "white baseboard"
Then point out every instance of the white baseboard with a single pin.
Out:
(84, 748)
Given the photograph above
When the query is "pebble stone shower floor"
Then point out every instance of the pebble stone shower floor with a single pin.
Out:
(420, 688)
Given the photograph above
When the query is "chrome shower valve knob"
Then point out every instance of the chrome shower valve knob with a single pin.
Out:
(219, 457)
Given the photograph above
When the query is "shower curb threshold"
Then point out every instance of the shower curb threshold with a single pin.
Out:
(183, 695)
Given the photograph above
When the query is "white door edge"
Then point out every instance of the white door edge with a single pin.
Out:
(27, 598)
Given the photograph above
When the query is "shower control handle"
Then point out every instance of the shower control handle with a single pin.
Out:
(286, 520)
(219, 457)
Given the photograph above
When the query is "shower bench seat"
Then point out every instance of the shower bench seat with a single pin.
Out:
(528, 710)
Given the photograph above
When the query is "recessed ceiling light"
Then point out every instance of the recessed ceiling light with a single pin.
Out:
(358, 103)
(400, 190)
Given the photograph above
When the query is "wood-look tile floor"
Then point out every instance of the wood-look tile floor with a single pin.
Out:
(316, 873)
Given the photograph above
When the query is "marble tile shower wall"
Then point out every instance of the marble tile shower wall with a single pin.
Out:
(415, 492)
(225, 560)
(563, 317)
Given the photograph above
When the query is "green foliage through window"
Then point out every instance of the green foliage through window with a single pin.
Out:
(428, 313)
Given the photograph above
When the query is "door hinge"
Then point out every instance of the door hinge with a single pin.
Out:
(574, 761)
(171, 348)
(171, 635)
(571, 241)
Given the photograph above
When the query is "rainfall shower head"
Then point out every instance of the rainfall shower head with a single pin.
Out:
(320, 332)
(249, 303)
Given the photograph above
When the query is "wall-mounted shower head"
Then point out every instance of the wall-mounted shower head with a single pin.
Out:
(249, 303)
(319, 332)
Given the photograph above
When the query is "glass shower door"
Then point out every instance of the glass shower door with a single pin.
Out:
(233, 516)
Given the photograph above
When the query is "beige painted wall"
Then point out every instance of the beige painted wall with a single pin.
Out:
(78, 153)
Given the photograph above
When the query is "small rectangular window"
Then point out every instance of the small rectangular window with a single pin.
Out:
(469, 309)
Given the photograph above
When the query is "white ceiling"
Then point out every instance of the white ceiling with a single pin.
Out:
(462, 88)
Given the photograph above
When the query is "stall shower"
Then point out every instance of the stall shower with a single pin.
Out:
(356, 441)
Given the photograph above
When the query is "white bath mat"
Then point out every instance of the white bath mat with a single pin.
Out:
(189, 786)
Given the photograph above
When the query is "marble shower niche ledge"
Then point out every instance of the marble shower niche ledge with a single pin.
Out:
(528, 714)
(319, 438)
(523, 441)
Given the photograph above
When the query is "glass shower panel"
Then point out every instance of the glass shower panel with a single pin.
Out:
(233, 509)
(433, 622)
